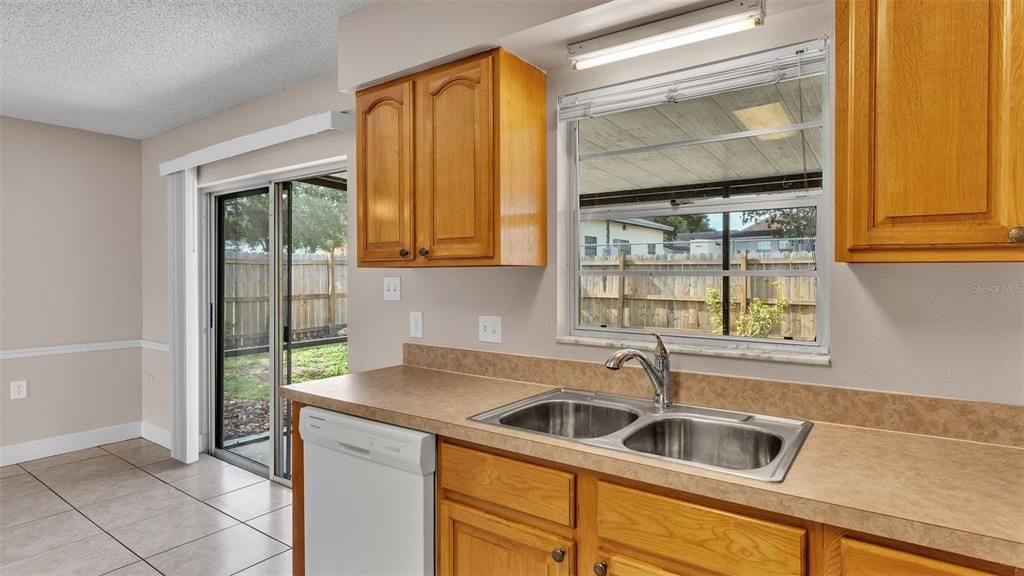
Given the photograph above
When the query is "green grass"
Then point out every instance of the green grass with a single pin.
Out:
(248, 377)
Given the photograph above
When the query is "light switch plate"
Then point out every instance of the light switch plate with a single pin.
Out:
(392, 288)
(490, 329)
(416, 324)
(19, 389)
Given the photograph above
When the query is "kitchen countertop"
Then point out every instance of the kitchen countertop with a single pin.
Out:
(953, 495)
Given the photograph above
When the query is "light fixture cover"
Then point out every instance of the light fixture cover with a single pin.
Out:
(711, 22)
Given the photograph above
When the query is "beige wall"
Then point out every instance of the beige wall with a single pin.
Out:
(69, 274)
(925, 329)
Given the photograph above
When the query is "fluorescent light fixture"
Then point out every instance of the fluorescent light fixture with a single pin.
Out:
(718, 20)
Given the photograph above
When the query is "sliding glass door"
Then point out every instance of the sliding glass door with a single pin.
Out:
(313, 232)
(280, 305)
(244, 380)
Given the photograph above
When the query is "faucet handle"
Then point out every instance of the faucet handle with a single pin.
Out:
(659, 349)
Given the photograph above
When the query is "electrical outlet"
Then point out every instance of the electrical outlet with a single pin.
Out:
(19, 389)
(416, 324)
(392, 288)
(490, 329)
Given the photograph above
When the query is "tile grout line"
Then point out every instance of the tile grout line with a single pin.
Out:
(132, 552)
(79, 512)
(262, 561)
(215, 509)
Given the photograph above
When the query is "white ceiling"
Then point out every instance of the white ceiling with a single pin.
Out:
(136, 68)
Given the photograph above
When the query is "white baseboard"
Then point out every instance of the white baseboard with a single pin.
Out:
(154, 433)
(36, 449)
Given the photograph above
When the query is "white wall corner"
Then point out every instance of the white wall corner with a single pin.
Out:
(157, 434)
(36, 449)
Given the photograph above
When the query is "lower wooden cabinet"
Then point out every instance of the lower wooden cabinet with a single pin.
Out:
(505, 515)
(472, 542)
(621, 565)
(850, 554)
(678, 531)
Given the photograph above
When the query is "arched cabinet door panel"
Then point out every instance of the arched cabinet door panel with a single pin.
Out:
(384, 174)
(455, 147)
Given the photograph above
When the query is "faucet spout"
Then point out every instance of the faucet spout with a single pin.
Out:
(658, 372)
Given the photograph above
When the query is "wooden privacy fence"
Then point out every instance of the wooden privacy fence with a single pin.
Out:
(319, 287)
(679, 303)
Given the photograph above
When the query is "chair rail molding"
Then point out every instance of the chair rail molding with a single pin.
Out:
(82, 347)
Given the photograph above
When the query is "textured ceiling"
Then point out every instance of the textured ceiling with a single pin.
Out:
(139, 67)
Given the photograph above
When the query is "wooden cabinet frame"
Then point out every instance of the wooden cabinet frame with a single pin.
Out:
(929, 168)
(478, 184)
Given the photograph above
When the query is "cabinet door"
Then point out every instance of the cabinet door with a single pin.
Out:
(473, 543)
(863, 559)
(455, 169)
(618, 565)
(929, 108)
(384, 153)
(709, 539)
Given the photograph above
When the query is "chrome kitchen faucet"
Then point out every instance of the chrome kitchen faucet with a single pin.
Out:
(659, 371)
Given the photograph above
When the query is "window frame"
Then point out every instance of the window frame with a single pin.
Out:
(822, 201)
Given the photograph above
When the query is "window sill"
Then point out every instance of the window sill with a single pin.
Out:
(812, 359)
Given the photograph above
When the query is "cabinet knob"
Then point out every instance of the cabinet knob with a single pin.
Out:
(601, 569)
(424, 252)
(403, 253)
(1017, 234)
(558, 555)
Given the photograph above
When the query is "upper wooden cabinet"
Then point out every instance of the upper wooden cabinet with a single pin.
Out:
(929, 111)
(385, 203)
(452, 166)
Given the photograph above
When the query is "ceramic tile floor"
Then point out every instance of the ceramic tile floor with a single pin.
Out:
(127, 509)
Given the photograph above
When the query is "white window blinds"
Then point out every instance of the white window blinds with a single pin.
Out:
(778, 65)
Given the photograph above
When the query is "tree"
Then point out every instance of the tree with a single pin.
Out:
(684, 224)
(793, 222)
(247, 222)
(319, 218)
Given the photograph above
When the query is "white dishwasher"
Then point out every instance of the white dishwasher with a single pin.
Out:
(369, 497)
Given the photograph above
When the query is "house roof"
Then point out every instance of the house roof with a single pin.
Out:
(645, 223)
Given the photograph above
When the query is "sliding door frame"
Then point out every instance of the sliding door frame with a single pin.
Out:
(275, 326)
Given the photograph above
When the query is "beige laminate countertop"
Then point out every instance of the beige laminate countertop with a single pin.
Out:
(962, 497)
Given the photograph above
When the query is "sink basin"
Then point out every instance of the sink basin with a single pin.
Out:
(718, 444)
(749, 445)
(570, 419)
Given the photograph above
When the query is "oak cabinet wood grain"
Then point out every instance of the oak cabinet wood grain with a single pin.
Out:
(528, 488)
(622, 565)
(717, 541)
(846, 553)
(473, 543)
(929, 103)
(454, 165)
(384, 185)
(475, 131)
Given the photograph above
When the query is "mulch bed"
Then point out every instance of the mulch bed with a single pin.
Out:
(245, 418)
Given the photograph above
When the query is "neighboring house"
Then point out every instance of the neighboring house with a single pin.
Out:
(757, 238)
(634, 236)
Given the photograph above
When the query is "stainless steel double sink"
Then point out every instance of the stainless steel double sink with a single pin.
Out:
(749, 445)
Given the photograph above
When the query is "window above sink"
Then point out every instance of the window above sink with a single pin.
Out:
(702, 206)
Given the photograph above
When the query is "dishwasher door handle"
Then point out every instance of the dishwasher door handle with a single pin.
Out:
(353, 448)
